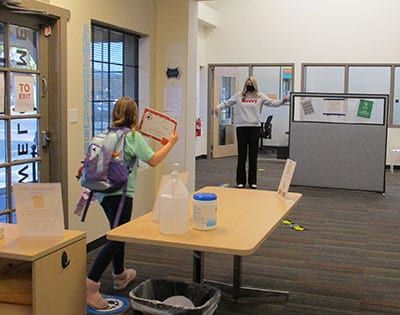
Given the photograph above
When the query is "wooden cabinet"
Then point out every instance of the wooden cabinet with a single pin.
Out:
(42, 276)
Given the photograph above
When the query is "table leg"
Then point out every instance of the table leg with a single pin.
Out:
(198, 266)
(238, 291)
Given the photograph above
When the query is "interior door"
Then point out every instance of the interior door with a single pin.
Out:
(24, 156)
(226, 82)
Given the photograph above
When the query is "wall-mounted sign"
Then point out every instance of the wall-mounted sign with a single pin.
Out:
(173, 73)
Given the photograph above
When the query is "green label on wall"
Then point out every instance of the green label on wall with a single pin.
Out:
(365, 108)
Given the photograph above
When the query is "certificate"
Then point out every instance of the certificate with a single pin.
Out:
(39, 210)
(157, 125)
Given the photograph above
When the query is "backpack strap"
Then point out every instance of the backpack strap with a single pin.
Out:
(85, 210)
(131, 165)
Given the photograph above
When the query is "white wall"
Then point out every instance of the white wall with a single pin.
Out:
(286, 31)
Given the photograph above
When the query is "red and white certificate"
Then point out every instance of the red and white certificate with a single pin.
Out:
(157, 125)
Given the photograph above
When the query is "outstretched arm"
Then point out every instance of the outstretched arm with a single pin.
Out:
(164, 150)
(266, 101)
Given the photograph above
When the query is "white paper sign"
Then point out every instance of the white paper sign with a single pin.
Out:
(286, 178)
(156, 125)
(24, 93)
(2, 92)
(39, 209)
(173, 100)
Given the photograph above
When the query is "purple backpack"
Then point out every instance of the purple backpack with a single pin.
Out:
(104, 168)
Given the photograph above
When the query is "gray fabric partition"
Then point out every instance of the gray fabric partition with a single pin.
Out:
(339, 155)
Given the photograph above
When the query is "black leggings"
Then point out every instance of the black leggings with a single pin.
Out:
(111, 251)
(247, 137)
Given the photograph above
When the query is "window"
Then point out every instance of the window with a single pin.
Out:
(356, 78)
(115, 56)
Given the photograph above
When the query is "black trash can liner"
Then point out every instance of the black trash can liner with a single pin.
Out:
(148, 297)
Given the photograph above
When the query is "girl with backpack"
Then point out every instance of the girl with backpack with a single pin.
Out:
(124, 114)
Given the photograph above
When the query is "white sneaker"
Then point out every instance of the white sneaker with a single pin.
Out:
(253, 186)
(240, 186)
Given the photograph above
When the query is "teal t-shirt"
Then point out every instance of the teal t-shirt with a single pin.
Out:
(135, 145)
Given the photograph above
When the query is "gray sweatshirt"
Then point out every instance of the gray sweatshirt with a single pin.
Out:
(249, 107)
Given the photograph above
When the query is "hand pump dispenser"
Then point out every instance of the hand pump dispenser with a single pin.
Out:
(174, 204)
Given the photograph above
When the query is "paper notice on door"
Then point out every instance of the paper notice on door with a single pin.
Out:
(157, 125)
(2, 87)
(24, 92)
(286, 178)
(39, 210)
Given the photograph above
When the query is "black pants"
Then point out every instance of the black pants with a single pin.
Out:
(111, 251)
(247, 138)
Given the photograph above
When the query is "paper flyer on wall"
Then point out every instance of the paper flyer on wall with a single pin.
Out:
(307, 106)
(39, 209)
(157, 125)
(286, 178)
(365, 108)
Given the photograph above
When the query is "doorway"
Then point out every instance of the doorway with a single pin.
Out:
(29, 144)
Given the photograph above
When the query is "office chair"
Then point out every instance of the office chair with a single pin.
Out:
(266, 130)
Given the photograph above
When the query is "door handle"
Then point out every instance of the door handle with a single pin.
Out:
(46, 140)
(44, 89)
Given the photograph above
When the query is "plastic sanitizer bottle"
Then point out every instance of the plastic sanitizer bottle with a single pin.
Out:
(174, 204)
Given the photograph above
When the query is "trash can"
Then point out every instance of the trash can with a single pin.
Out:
(149, 296)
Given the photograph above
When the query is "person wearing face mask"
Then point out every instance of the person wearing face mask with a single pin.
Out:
(247, 120)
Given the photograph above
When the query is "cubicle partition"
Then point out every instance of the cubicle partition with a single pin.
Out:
(339, 140)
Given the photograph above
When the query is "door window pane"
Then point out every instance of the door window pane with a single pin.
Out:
(3, 189)
(3, 141)
(2, 94)
(371, 80)
(324, 79)
(131, 78)
(23, 91)
(24, 139)
(25, 173)
(2, 47)
(23, 47)
(396, 94)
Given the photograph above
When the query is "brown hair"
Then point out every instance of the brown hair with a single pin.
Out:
(124, 113)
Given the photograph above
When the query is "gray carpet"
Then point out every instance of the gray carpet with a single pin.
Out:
(346, 261)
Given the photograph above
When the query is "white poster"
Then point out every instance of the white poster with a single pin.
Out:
(39, 209)
(2, 92)
(286, 178)
(24, 93)
(173, 100)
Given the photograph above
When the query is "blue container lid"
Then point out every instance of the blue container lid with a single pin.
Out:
(205, 196)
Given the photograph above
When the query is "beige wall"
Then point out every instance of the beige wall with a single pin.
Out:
(134, 15)
(169, 31)
(177, 46)
(312, 31)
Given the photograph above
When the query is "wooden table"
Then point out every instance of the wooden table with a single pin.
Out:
(246, 217)
(42, 275)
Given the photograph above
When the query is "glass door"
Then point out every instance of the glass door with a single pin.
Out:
(23, 108)
(226, 82)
